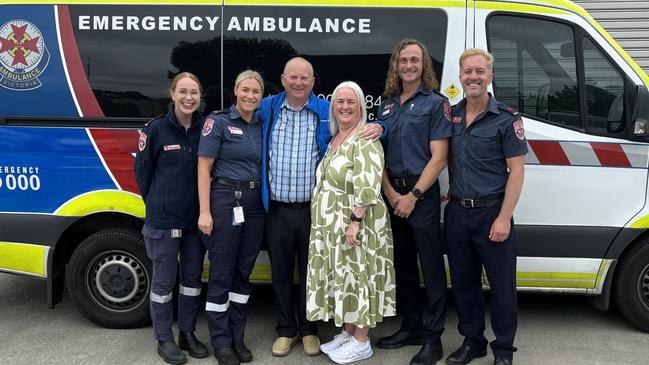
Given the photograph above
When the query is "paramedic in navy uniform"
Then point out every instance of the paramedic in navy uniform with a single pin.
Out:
(165, 171)
(231, 214)
(418, 120)
(486, 177)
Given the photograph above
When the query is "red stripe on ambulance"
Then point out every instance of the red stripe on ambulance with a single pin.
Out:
(80, 86)
(610, 154)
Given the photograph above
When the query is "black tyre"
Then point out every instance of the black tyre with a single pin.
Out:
(109, 278)
(632, 285)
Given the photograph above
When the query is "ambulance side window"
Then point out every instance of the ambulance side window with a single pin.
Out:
(535, 68)
(604, 92)
(130, 53)
(342, 43)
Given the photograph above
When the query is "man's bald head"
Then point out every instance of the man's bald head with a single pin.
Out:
(298, 81)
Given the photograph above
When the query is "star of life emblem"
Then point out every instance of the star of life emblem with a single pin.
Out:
(23, 55)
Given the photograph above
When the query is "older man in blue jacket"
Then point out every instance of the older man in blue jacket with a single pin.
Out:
(295, 130)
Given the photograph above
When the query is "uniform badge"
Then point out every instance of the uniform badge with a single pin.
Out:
(447, 110)
(141, 144)
(519, 130)
(171, 147)
(385, 112)
(457, 119)
(235, 130)
(207, 127)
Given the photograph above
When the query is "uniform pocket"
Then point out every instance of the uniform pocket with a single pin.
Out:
(152, 238)
(153, 233)
(484, 144)
(417, 123)
(457, 129)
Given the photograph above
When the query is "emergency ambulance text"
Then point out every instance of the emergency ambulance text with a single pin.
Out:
(20, 178)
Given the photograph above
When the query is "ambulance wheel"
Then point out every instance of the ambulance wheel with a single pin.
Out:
(632, 285)
(108, 278)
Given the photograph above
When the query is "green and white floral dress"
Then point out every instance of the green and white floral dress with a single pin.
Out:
(353, 285)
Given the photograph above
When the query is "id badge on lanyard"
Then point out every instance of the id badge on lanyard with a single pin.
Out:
(237, 212)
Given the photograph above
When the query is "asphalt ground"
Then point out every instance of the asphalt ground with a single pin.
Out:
(553, 329)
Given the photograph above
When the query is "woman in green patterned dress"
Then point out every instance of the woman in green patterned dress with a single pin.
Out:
(350, 276)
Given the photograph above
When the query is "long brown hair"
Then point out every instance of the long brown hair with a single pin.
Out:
(393, 86)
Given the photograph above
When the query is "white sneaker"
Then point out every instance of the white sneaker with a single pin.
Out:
(351, 351)
(339, 340)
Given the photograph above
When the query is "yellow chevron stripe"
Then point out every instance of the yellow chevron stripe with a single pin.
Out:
(103, 201)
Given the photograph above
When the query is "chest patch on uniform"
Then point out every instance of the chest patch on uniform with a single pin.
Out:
(457, 119)
(141, 143)
(386, 112)
(519, 129)
(235, 130)
(447, 110)
(207, 127)
(171, 147)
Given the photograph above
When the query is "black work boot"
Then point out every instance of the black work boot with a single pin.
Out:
(242, 351)
(170, 353)
(188, 342)
(226, 356)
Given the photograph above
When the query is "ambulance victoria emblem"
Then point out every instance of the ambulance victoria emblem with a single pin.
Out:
(23, 55)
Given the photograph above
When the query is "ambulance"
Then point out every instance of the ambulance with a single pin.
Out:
(79, 78)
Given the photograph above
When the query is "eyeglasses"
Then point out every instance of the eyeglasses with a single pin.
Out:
(195, 94)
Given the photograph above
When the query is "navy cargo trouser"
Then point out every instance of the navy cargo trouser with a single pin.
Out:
(163, 250)
(232, 250)
(419, 235)
(469, 249)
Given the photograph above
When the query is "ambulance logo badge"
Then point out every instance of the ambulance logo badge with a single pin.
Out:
(207, 127)
(447, 110)
(519, 130)
(141, 144)
(23, 55)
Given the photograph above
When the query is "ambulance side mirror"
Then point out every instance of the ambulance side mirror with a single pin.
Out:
(639, 128)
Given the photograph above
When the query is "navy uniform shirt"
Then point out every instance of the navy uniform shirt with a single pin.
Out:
(235, 144)
(166, 171)
(424, 117)
(479, 153)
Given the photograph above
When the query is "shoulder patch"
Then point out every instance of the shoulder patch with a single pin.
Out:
(447, 110)
(141, 143)
(519, 129)
(207, 126)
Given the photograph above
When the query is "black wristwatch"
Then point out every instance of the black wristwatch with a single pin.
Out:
(417, 193)
(354, 218)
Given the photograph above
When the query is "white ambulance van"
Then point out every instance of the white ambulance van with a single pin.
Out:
(78, 78)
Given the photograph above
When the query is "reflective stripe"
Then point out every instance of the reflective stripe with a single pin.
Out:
(102, 201)
(239, 298)
(190, 292)
(24, 258)
(213, 307)
(160, 298)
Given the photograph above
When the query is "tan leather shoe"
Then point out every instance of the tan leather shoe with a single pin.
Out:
(311, 345)
(283, 345)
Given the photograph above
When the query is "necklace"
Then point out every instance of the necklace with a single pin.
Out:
(336, 145)
(333, 149)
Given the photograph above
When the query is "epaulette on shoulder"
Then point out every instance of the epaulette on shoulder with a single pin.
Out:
(507, 108)
(222, 111)
(435, 91)
(150, 122)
